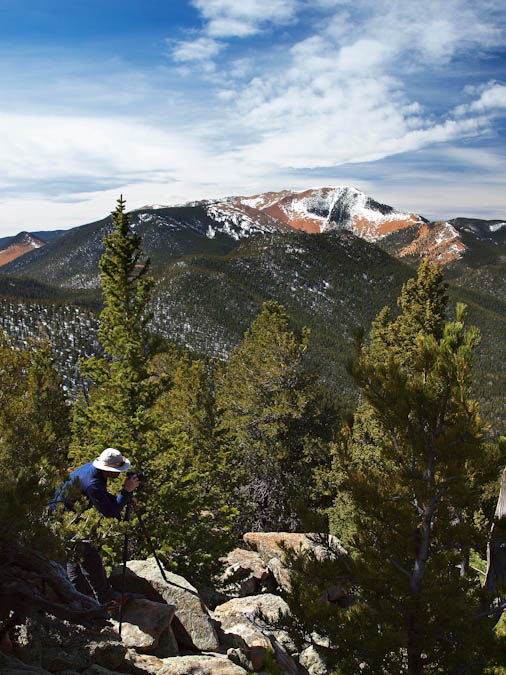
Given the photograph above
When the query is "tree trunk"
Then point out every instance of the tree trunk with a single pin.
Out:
(415, 665)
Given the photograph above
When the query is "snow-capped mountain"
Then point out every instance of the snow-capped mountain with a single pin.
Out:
(321, 209)
(325, 208)
(331, 255)
(217, 226)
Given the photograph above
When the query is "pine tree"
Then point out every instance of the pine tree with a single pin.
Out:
(408, 504)
(118, 414)
(34, 439)
(265, 401)
(190, 517)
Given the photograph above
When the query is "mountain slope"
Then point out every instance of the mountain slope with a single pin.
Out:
(206, 298)
(18, 246)
(331, 283)
(167, 233)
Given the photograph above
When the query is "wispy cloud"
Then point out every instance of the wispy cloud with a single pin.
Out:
(347, 95)
(200, 49)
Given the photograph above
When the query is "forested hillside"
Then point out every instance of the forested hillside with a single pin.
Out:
(206, 299)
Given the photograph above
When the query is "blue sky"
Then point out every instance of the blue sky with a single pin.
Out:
(168, 101)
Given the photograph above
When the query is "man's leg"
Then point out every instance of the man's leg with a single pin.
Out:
(91, 575)
(77, 578)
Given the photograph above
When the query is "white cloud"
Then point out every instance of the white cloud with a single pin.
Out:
(62, 155)
(238, 18)
(200, 49)
(227, 27)
(493, 98)
(340, 96)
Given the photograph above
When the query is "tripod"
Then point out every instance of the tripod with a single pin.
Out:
(125, 556)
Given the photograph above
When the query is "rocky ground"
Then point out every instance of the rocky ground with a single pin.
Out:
(170, 628)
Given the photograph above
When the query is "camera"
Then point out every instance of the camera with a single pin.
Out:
(141, 476)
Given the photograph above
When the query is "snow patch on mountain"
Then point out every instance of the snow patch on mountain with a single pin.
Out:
(238, 220)
(446, 233)
(496, 227)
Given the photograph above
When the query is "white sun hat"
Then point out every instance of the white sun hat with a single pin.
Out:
(111, 460)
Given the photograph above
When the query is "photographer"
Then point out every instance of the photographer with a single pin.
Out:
(85, 570)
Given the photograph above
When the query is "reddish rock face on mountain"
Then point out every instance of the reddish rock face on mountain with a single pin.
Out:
(319, 209)
(18, 246)
(439, 241)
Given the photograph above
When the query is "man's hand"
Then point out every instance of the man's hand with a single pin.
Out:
(131, 483)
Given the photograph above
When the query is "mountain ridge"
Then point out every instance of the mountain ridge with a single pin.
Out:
(231, 219)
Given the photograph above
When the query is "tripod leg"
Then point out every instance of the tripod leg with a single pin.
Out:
(123, 575)
(148, 539)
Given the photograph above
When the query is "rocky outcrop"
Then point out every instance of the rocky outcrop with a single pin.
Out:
(270, 547)
(311, 660)
(192, 624)
(57, 645)
(143, 663)
(270, 544)
(10, 665)
(245, 625)
(168, 629)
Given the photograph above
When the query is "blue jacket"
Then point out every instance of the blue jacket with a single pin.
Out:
(94, 485)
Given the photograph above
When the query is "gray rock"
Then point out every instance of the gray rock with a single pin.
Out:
(56, 659)
(143, 623)
(202, 665)
(271, 606)
(281, 574)
(211, 597)
(311, 660)
(239, 632)
(167, 645)
(58, 645)
(240, 657)
(144, 663)
(192, 624)
(246, 573)
(99, 670)
(240, 627)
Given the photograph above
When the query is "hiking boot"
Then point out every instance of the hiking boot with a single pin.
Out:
(113, 606)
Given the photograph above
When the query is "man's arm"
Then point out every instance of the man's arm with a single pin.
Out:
(109, 505)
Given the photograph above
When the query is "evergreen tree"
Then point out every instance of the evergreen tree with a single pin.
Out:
(264, 401)
(34, 438)
(408, 504)
(190, 517)
(118, 411)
